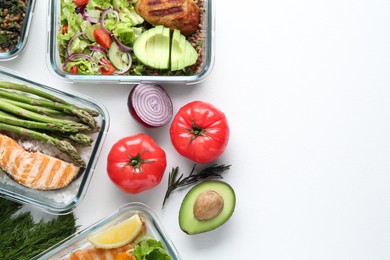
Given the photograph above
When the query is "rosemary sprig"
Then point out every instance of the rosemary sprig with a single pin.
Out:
(209, 172)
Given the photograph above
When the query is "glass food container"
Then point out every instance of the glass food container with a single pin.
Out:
(63, 200)
(204, 42)
(14, 34)
(79, 240)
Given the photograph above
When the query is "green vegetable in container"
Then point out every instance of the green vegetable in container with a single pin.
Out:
(23, 238)
(150, 249)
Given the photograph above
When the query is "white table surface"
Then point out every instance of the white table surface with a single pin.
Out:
(305, 86)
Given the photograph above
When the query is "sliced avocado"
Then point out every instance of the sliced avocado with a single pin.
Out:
(182, 52)
(117, 57)
(206, 206)
(152, 47)
(182, 45)
(164, 62)
(176, 50)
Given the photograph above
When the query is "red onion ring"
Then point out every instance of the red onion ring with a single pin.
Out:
(98, 48)
(69, 46)
(127, 67)
(75, 56)
(150, 105)
(103, 16)
(88, 18)
(121, 45)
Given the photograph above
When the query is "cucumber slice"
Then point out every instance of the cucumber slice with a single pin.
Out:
(116, 57)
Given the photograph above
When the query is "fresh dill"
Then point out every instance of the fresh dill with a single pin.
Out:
(175, 182)
(22, 238)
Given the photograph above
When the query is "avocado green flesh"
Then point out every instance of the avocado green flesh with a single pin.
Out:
(155, 48)
(176, 50)
(187, 221)
(152, 47)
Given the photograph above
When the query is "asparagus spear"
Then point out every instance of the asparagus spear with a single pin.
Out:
(40, 93)
(51, 126)
(40, 110)
(62, 145)
(77, 139)
(68, 109)
(10, 108)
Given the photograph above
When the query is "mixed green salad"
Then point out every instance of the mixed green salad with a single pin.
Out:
(96, 37)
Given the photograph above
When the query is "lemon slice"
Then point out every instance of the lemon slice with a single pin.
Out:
(118, 235)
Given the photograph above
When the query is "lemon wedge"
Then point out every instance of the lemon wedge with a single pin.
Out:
(118, 235)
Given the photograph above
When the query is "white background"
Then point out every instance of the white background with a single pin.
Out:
(305, 87)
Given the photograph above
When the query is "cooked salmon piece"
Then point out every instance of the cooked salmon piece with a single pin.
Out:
(98, 253)
(34, 170)
(183, 15)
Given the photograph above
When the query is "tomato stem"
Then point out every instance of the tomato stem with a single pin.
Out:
(137, 161)
(196, 130)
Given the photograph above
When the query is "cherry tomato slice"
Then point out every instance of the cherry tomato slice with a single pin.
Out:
(102, 37)
(65, 29)
(74, 70)
(107, 68)
(80, 2)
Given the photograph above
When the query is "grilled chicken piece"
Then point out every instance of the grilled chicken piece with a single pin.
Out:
(34, 169)
(98, 254)
(176, 14)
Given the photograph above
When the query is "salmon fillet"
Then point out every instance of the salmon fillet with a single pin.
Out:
(34, 170)
(99, 254)
(183, 15)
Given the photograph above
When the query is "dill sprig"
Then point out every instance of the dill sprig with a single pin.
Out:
(23, 238)
(209, 172)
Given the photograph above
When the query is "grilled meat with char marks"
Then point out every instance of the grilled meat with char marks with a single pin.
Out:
(176, 14)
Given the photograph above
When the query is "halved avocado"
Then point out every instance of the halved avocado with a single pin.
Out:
(152, 47)
(206, 206)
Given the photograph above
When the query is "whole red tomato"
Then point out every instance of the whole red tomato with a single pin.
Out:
(136, 163)
(200, 131)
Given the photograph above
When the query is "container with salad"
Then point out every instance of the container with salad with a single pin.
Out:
(121, 41)
(132, 232)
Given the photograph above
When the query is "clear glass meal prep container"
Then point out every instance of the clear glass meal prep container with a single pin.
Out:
(55, 65)
(24, 34)
(64, 200)
(79, 240)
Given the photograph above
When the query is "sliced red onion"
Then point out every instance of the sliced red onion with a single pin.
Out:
(103, 16)
(69, 46)
(150, 105)
(121, 45)
(98, 48)
(74, 56)
(88, 18)
(127, 67)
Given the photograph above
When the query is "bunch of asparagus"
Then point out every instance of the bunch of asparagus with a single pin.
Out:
(42, 116)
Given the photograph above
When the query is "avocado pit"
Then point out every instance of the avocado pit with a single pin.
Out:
(208, 205)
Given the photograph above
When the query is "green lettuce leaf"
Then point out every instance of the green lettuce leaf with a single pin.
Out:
(150, 250)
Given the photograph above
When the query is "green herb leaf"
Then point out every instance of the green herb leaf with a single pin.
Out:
(150, 250)
(22, 238)
(175, 182)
